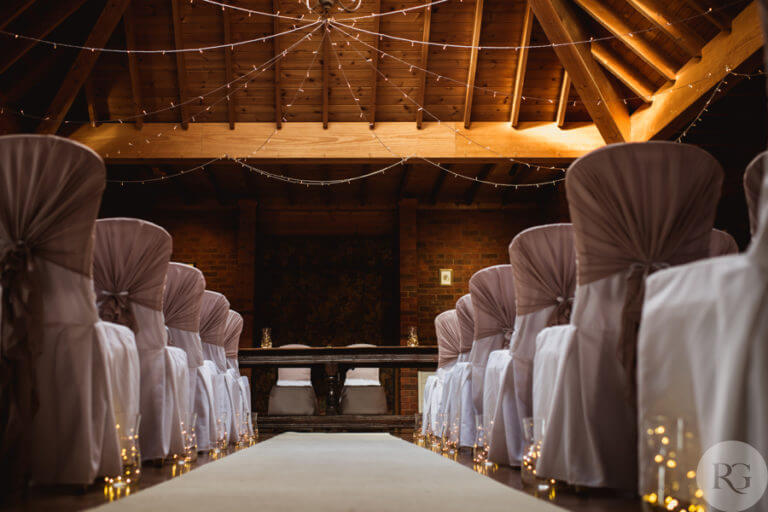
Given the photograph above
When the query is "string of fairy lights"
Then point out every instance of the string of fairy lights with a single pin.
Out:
(328, 24)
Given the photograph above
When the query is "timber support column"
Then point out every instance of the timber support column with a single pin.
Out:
(409, 301)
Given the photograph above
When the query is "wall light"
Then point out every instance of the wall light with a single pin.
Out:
(446, 276)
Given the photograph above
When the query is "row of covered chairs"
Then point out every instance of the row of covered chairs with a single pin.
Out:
(100, 331)
(555, 332)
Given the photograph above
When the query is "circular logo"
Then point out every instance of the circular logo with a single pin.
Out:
(732, 475)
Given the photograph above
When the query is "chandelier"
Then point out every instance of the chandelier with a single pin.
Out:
(325, 6)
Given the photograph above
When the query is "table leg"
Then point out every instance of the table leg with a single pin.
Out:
(332, 380)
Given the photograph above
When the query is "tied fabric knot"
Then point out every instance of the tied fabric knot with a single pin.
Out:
(20, 338)
(630, 319)
(508, 332)
(115, 307)
(562, 313)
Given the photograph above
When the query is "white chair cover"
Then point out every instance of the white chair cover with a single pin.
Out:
(68, 378)
(447, 333)
(182, 300)
(130, 263)
(753, 181)
(362, 392)
(543, 262)
(293, 393)
(232, 331)
(493, 301)
(362, 376)
(722, 244)
(457, 390)
(213, 321)
(702, 352)
(635, 208)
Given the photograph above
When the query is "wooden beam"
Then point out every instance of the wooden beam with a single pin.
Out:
(658, 14)
(622, 30)
(228, 72)
(514, 173)
(78, 73)
(38, 23)
(218, 190)
(181, 63)
(601, 99)
(472, 72)
(277, 81)
(522, 64)
(374, 65)
(441, 175)
(403, 181)
(12, 10)
(725, 51)
(251, 185)
(341, 142)
(133, 67)
(562, 101)
(619, 68)
(362, 190)
(715, 17)
(469, 195)
(326, 68)
(90, 101)
(421, 91)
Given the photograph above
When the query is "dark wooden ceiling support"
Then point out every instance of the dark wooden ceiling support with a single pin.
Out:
(514, 176)
(222, 198)
(375, 65)
(618, 67)
(251, 184)
(562, 100)
(90, 100)
(438, 185)
(326, 71)
(79, 71)
(522, 63)
(133, 67)
(716, 18)
(277, 81)
(469, 195)
(600, 96)
(39, 22)
(362, 191)
(403, 183)
(181, 63)
(469, 94)
(422, 89)
(229, 74)
(12, 10)
(657, 13)
(624, 32)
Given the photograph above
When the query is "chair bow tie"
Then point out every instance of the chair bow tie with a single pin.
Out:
(115, 307)
(562, 313)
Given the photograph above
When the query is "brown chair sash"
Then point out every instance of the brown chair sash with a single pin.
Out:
(232, 331)
(447, 330)
(493, 301)
(213, 317)
(183, 297)
(466, 317)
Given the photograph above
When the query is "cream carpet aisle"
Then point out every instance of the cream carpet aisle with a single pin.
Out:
(332, 473)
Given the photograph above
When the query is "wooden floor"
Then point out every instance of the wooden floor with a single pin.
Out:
(69, 499)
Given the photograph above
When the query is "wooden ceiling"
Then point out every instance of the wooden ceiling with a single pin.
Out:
(540, 104)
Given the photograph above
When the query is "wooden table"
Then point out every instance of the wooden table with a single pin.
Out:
(335, 361)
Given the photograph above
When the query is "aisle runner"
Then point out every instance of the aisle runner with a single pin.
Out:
(333, 473)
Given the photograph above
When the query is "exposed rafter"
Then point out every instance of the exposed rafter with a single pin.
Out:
(469, 195)
(600, 97)
(658, 14)
(90, 101)
(401, 186)
(421, 92)
(623, 31)
(277, 81)
(229, 74)
(477, 25)
(716, 17)
(522, 64)
(326, 71)
(133, 66)
(619, 68)
(181, 63)
(562, 100)
(221, 196)
(38, 23)
(438, 185)
(374, 65)
(362, 190)
(717, 57)
(79, 71)
(12, 10)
